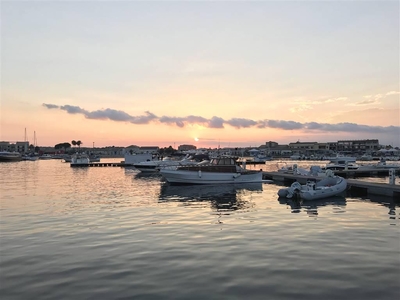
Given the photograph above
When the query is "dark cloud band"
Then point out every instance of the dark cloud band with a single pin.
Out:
(217, 122)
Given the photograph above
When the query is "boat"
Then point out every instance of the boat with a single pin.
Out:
(295, 157)
(10, 156)
(46, 156)
(218, 170)
(342, 159)
(156, 165)
(366, 157)
(331, 185)
(382, 164)
(131, 158)
(94, 158)
(30, 157)
(80, 160)
(294, 169)
(341, 166)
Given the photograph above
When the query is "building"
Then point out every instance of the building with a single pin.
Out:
(21, 147)
(360, 146)
(149, 149)
(303, 146)
(186, 147)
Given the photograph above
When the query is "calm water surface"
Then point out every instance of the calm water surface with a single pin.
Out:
(114, 233)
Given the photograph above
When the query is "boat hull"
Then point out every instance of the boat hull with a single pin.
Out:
(8, 159)
(10, 156)
(202, 177)
(324, 192)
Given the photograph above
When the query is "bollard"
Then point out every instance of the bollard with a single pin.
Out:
(392, 176)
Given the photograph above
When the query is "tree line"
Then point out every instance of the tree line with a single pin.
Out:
(67, 145)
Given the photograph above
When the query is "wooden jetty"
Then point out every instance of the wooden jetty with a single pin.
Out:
(362, 188)
(365, 172)
(99, 164)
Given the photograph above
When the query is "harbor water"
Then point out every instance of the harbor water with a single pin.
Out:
(116, 233)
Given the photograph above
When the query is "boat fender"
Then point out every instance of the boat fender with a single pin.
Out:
(199, 173)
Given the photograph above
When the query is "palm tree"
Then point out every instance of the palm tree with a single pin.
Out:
(73, 142)
(79, 143)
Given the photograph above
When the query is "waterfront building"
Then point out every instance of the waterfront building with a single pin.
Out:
(303, 146)
(21, 147)
(358, 146)
(149, 149)
(186, 147)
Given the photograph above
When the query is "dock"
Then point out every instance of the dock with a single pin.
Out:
(365, 172)
(99, 164)
(362, 188)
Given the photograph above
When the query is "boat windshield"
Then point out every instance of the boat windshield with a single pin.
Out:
(223, 161)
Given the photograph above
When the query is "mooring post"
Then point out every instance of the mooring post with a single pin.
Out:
(392, 176)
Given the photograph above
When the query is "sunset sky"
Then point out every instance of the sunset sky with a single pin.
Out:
(207, 73)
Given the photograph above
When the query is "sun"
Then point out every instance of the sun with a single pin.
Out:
(196, 139)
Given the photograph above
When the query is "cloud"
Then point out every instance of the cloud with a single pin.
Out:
(241, 123)
(367, 102)
(106, 114)
(73, 109)
(218, 122)
(392, 93)
(50, 106)
(304, 105)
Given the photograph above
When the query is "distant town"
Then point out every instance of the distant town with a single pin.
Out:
(294, 150)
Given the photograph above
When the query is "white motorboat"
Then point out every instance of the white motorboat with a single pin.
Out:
(156, 165)
(380, 165)
(131, 159)
(341, 166)
(294, 169)
(329, 186)
(10, 156)
(218, 170)
(46, 156)
(80, 160)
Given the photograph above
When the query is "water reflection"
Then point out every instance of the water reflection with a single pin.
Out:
(227, 197)
(384, 201)
(311, 207)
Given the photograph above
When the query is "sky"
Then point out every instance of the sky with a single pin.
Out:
(206, 73)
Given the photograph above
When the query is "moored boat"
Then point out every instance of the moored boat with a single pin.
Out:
(156, 165)
(131, 158)
(80, 160)
(10, 156)
(218, 170)
(329, 186)
(30, 157)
